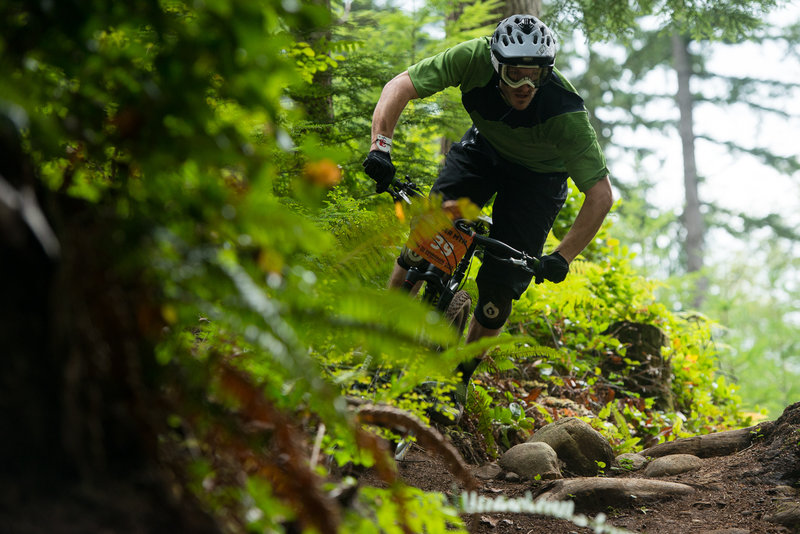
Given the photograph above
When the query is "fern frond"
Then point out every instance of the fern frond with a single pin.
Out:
(472, 503)
(529, 352)
(430, 438)
(380, 322)
(293, 477)
(480, 403)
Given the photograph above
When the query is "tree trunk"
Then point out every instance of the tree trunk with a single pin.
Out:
(692, 217)
(78, 390)
(529, 7)
(317, 99)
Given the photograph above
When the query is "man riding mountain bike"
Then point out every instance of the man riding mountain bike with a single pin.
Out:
(530, 132)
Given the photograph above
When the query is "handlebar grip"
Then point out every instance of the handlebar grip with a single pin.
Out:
(534, 264)
(498, 247)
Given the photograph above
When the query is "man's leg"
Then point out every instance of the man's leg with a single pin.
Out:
(477, 331)
(491, 312)
(468, 173)
(397, 277)
(498, 283)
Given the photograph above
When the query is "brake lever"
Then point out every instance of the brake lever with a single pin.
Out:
(398, 195)
(399, 190)
(464, 225)
(528, 263)
(533, 264)
(519, 262)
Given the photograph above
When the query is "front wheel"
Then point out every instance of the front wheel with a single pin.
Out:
(458, 311)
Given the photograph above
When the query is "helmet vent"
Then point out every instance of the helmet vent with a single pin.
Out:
(527, 26)
(505, 40)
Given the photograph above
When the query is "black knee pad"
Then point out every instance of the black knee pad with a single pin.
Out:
(408, 258)
(494, 305)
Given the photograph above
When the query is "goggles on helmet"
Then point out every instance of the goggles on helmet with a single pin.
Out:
(518, 75)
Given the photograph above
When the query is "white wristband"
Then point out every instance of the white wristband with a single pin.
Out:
(383, 143)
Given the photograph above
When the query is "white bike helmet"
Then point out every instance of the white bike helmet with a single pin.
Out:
(523, 41)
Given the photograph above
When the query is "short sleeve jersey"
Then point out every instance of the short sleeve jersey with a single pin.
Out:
(552, 134)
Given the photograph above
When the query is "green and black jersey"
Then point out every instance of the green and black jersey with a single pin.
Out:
(552, 135)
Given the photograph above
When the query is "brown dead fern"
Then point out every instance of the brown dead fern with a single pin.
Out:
(287, 467)
(404, 422)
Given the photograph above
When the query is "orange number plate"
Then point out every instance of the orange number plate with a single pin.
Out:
(443, 247)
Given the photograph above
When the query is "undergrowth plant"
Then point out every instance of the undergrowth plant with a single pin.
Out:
(177, 132)
(574, 319)
(559, 344)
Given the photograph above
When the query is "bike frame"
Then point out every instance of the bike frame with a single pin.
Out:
(440, 287)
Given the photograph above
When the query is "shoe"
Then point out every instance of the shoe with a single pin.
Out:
(442, 413)
(403, 446)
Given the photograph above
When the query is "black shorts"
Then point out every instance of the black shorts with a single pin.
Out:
(524, 210)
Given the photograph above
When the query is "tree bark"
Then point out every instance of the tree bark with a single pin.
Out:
(530, 7)
(79, 388)
(692, 217)
(710, 445)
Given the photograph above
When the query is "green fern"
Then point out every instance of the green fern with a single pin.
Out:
(479, 405)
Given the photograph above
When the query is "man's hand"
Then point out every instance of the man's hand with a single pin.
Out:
(380, 168)
(553, 267)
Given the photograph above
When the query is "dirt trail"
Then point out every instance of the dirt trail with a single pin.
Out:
(746, 492)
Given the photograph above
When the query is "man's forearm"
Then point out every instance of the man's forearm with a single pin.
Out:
(395, 96)
(596, 205)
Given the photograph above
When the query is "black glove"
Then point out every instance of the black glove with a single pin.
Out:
(552, 267)
(380, 168)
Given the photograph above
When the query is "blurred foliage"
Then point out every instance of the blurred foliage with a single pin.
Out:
(617, 82)
(171, 123)
(700, 20)
(756, 304)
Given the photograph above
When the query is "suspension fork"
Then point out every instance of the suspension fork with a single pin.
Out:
(433, 277)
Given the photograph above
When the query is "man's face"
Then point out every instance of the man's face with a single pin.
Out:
(519, 98)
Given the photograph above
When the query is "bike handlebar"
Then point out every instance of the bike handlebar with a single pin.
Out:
(505, 253)
(500, 250)
(403, 190)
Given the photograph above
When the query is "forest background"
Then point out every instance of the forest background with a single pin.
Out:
(193, 261)
(743, 121)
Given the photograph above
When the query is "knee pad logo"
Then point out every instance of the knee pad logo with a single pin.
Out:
(490, 311)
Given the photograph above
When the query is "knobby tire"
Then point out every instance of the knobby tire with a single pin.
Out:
(458, 311)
